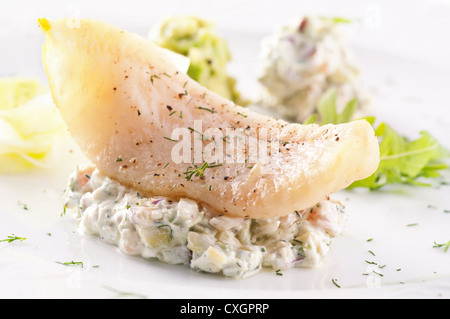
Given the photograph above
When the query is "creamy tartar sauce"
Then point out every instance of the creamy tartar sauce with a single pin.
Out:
(182, 231)
(302, 60)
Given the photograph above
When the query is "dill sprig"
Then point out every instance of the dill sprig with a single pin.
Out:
(71, 263)
(198, 171)
(445, 245)
(334, 281)
(207, 109)
(12, 238)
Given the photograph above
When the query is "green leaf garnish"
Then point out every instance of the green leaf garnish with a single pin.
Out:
(327, 112)
(401, 160)
(405, 161)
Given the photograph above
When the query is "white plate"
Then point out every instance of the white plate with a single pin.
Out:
(410, 94)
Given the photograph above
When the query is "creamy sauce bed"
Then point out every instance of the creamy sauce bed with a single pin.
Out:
(182, 231)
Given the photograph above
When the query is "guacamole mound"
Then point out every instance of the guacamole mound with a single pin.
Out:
(209, 54)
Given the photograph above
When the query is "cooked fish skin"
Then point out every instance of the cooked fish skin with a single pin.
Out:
(121, 98)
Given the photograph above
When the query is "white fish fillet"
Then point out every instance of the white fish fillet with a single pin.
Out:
(122, 98)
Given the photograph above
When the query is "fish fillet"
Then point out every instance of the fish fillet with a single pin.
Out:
(122, 100)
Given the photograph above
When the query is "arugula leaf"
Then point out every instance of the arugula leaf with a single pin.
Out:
(401, 160)
(327, 112)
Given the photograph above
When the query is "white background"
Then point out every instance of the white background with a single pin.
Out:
(418, 29)
(404, 49)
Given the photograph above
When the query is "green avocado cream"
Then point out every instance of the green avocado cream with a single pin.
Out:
(209, 54)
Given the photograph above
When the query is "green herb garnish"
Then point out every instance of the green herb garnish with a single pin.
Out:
(337, 19)
(377, 273)
(334, 281)
(71, 263)
(154, 76)
(203, 137)
(12, 238)
(446, 245)
(22, 205)
(206, 109)
(198, 171)
(169, 139)
(401, 160)
(327, 110)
